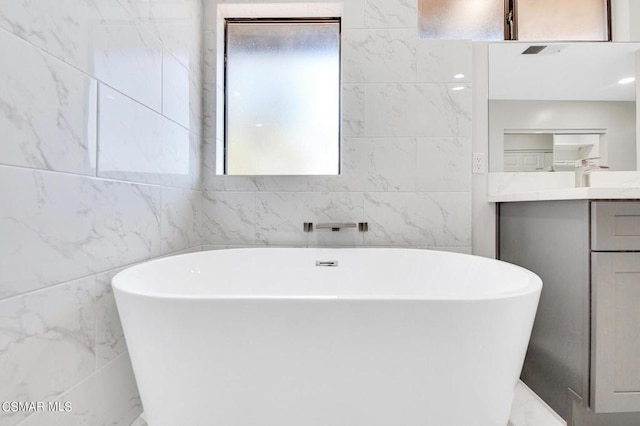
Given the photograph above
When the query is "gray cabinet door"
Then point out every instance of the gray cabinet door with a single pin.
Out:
(615, 379)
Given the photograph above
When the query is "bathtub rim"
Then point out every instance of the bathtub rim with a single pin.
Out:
(118, 282)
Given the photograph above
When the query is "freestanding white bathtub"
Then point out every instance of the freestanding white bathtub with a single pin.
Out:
(388, 337)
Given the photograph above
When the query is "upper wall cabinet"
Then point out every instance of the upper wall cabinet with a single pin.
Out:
(525, 20)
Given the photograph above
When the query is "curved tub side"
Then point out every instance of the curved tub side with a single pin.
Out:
(327, 362)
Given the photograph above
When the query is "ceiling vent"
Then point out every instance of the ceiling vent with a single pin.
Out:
(550, 49)
(533, 50)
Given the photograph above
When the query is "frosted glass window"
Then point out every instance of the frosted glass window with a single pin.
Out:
(282, 97)
(525, 20)
(566, 20)
(461, 19)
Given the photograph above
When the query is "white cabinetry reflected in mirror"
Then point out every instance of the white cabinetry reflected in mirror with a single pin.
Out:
(552, 150)
(569, 90)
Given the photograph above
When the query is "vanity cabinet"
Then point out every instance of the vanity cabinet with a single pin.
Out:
(615, 295)
(584, 355)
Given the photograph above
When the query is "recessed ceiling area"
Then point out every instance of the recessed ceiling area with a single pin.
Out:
(562, 71)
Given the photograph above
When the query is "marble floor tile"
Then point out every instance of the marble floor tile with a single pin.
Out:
(527, 410)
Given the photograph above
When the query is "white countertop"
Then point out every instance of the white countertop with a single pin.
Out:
(569, 194)
(512, 187)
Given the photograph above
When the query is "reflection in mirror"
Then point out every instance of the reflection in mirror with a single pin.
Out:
(552, 150)
(569, 102)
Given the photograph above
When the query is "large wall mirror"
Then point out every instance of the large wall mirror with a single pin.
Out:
(553, 105)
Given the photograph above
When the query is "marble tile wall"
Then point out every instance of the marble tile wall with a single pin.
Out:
(406, 145)
(100, 128)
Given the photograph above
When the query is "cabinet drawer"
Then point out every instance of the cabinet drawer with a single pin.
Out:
(615, 225)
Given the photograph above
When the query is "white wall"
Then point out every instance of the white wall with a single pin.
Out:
(99, 169)
(618, 118)
(625, 17)
(406, 146)
(484, 213)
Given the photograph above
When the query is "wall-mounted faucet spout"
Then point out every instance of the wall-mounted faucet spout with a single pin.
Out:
(336, 226)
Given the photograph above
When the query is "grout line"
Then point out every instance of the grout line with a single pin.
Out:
(95, 275)
(100, 178)
(147, 106)
(99, 81)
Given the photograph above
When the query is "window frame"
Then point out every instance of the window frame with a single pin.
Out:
(278, 20)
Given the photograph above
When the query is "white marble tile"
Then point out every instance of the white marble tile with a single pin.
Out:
(280, 217)
(57, 227)
(449, 218)
(209, 109)
(129, 58)
(353, 14)
(181, 209)
(209, 83)
(283, 9)
(47, 111)
(440, 61)
(228, 218)
(64, 28)
(175, 90)
(282, 183)
(109, 397)
(176, 23)
(140, 145)
(336, 207)
(443, 164)
(384, 164)
(110, 341)
(374, 55)
(427, 110)
(332, 183)
(209, 153)
(395, 14)
(231, 183)
(352, 110)
(194, 249)
(195, 100)
(117, 401)
(418, 219)
(396, 219)
(181, 34)
(194, 181)
(47, 343)
(528, 409)
(213, 106)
